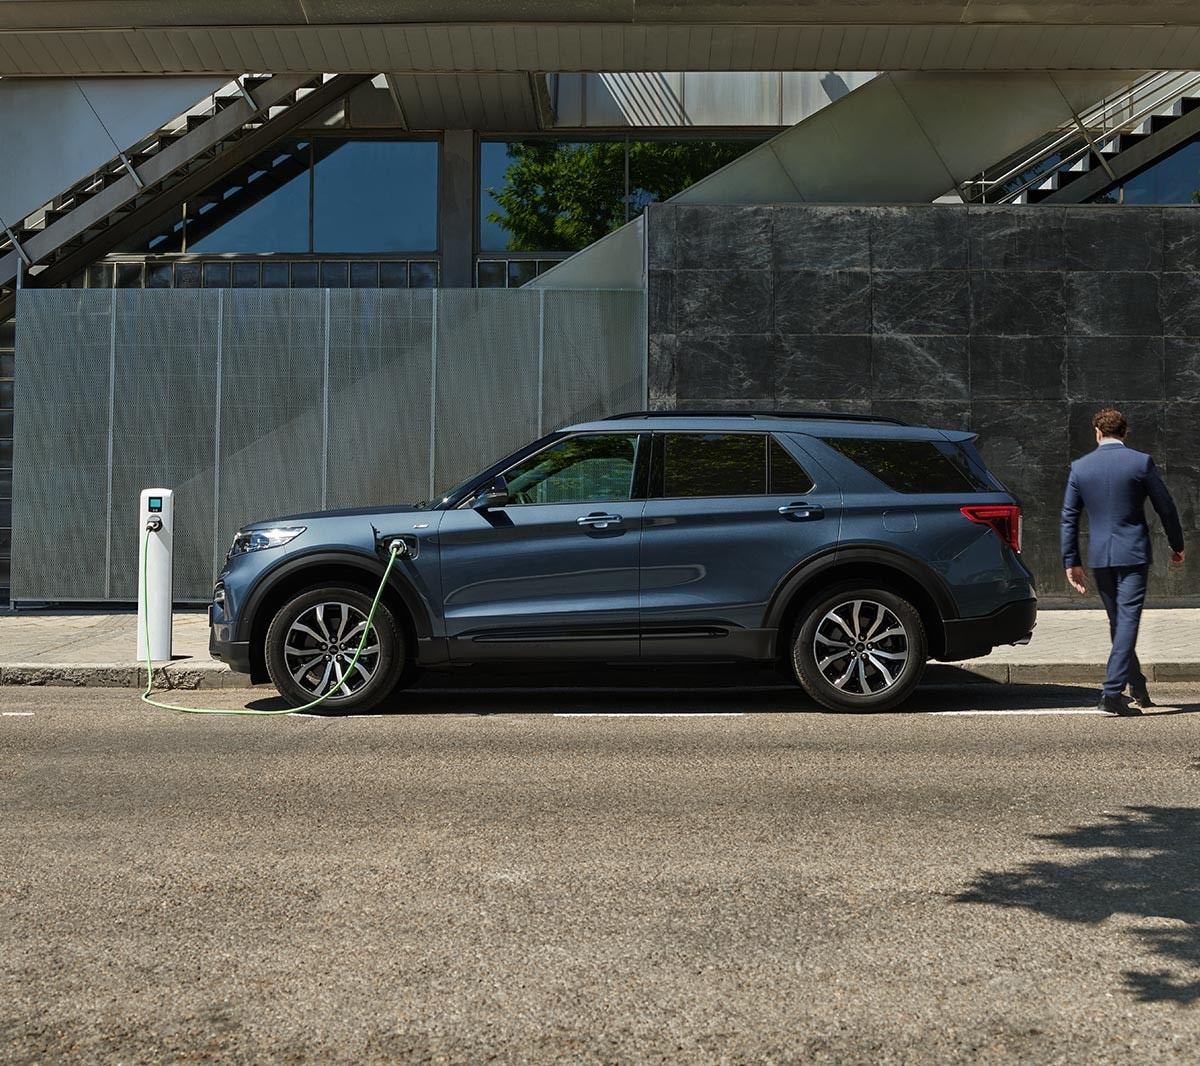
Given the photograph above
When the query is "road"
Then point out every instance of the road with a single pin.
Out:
(735, 883)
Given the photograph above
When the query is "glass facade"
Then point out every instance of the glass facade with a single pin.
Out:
(559, 196)
(310, 195)
(1174, 179)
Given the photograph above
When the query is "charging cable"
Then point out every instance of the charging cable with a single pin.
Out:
(397, 548)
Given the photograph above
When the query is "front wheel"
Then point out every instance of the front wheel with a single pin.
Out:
(311, 644)
(859, 649)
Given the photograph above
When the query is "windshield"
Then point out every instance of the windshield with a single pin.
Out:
(452, 495)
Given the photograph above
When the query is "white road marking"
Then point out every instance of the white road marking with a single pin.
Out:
(649, 714)
(17, 714)
(1062, 710)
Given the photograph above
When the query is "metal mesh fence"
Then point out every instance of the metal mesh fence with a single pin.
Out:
(257, 403)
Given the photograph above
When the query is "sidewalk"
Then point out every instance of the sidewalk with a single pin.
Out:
(51, 648)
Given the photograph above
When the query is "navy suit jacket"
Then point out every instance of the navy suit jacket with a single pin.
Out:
(1112, 484)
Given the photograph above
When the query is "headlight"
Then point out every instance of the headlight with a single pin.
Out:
(252, 540)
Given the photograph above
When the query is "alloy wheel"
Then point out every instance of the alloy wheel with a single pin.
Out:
(320, 646)
(861, 647)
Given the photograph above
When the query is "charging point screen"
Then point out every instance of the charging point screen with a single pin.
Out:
(155, 504)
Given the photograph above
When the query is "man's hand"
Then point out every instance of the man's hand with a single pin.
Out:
(1077, 579)
(1178, 557)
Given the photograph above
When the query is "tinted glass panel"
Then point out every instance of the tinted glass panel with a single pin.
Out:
(262, 208)
(216, 275)
(375, 196)
(275, 275)
(906, 465)
(158, 275)
(393, 275)
(304, 275)
(187, 275)
(576, 470)
(788, 477)
(8, 366)
(714, 464)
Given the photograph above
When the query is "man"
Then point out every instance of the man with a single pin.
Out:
(1112, 484)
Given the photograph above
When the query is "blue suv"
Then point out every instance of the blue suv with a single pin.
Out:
(852, 548)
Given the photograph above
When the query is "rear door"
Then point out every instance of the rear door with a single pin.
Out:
(729, 516)
(554, 574)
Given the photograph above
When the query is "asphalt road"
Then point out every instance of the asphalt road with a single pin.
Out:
(733, 884)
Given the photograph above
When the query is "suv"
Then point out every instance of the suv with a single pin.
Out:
(853, 548)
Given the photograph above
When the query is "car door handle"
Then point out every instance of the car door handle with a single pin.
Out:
(599, 521)
(804, 512)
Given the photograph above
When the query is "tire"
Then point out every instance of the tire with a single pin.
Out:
(303, 665)
(867, 673)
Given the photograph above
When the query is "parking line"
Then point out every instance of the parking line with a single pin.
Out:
(17, 714)
(649, 714)
(1061, 710)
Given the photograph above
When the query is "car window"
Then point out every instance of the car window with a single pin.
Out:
(576, 470)
(911, 465)
(714, 464)
(786, 476)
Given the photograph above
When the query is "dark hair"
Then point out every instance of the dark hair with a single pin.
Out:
(1110, 423)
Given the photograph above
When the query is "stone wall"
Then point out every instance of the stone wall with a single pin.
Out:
(1015, 322)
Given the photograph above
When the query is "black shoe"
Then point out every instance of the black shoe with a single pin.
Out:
(1117, 705)
(1141, 695)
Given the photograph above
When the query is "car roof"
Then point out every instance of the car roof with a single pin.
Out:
(817, 424)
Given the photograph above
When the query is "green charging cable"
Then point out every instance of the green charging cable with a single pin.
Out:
(290, 710)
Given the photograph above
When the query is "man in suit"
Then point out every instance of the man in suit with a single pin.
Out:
(1112, 484)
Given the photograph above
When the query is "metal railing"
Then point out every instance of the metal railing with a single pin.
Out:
(1096, 128)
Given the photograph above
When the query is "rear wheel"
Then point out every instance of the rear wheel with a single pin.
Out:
(859, 649)
(311, 644)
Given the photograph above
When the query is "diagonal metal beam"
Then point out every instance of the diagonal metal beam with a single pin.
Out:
(194, 181)
(154, 170)
(1125, 164)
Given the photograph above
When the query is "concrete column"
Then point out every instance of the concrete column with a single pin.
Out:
(456, 208)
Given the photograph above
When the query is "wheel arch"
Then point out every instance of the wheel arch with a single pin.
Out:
(916, 582)
(296, 575)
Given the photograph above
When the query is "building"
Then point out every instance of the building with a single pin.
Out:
(246, 247)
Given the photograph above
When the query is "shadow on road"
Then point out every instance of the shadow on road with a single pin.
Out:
(1143, 862)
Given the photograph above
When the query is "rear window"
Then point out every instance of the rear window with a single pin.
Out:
(913, 465)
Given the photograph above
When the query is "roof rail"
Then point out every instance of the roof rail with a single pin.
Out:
(812, 416)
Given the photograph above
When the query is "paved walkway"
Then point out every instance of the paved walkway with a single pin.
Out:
(48, 647)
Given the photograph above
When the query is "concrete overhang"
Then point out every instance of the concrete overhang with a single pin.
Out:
(104, 37)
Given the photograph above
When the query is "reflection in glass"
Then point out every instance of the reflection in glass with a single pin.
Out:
(521, 271)
(696, 465)
(129, 275)
(187, 275)
(364, 275)
(262, 208)
(491, 274)
(158, 275)
(576, 470)
(375, 196)
(304, 275)
(787, 477)
(100, 276)
(1175, 179)
(393, 275)
(216, 275)
(422, 275)
(335, 275)
(907, 465)
(275, 275)
(560, 196)
(245, 275)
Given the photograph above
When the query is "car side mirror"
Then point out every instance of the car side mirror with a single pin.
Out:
(496, 495)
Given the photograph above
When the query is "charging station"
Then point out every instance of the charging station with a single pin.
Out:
(156, 523)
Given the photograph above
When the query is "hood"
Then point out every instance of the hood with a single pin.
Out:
(348, 512)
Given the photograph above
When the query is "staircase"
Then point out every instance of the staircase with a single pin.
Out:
(1102, 147)
(173, 164)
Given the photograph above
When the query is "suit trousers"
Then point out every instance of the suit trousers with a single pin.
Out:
(1123, 592)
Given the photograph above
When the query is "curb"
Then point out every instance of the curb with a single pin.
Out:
(181, 676)
(192, 676)
(1051, 673)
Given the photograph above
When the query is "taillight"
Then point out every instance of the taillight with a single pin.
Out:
(1004, 518)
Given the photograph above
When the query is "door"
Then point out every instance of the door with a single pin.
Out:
(553, 573)
(729, 516)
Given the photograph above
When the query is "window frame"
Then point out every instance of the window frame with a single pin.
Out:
(638, 485)
(658, 464)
